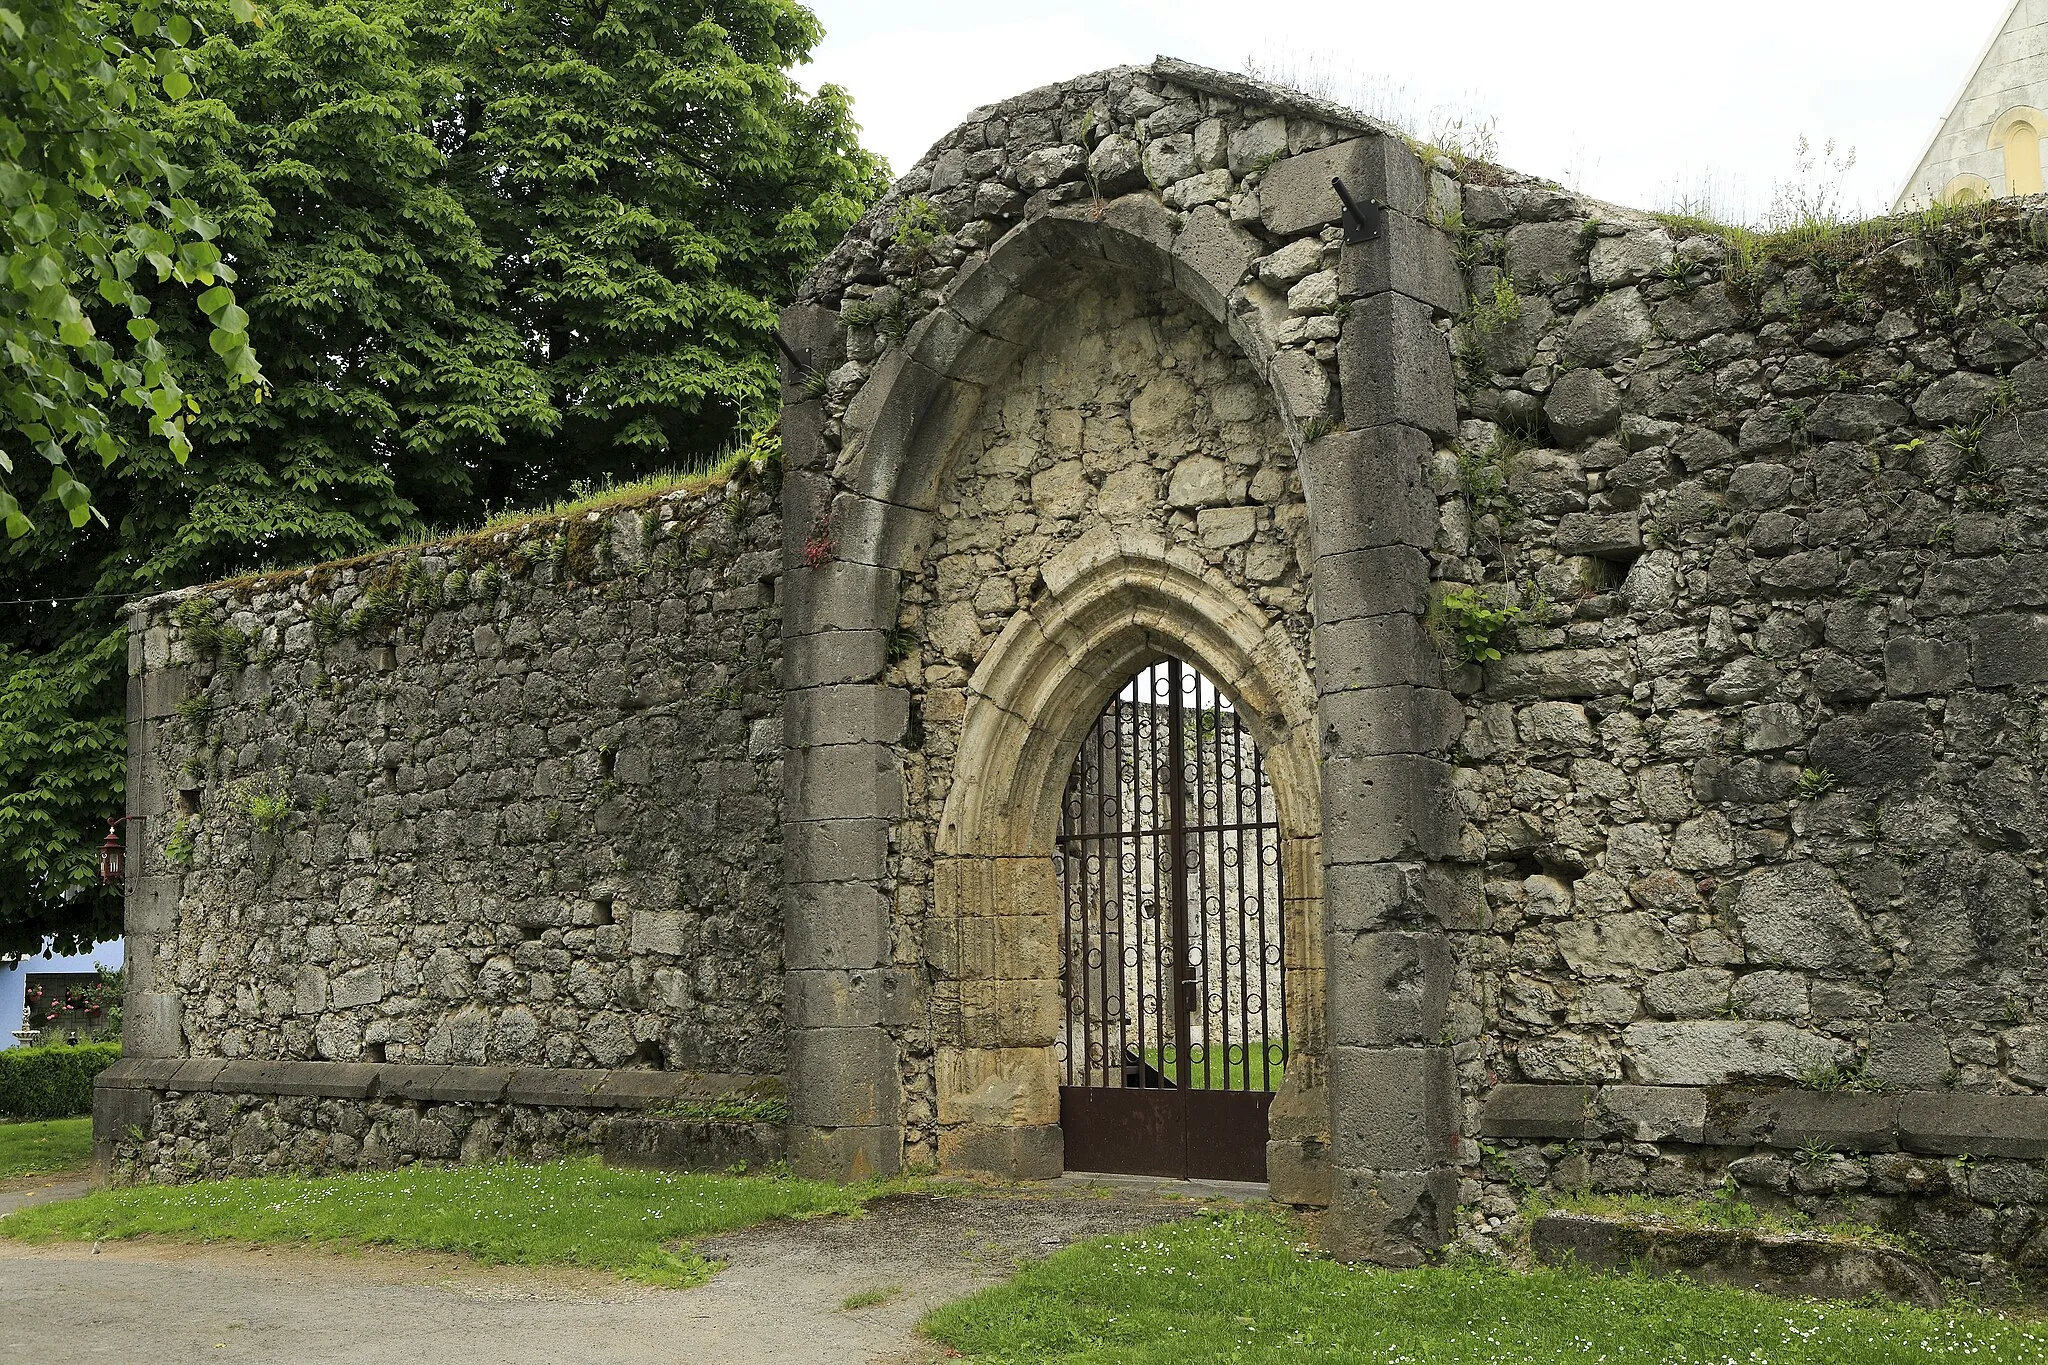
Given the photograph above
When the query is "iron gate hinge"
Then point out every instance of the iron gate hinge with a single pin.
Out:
(1362, 222)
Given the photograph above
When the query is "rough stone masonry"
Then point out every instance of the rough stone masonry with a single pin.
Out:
(1647, 628)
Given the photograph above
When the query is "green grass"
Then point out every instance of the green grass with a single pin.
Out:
(1725, 1211)
(40, 1148)
(1210, 1069)
(869, 1298)
(1233, 1287)
(579, 1213)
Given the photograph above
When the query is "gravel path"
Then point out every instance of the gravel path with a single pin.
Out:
(780, 1298)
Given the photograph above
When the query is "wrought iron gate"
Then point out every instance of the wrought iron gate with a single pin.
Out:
(1171, 948)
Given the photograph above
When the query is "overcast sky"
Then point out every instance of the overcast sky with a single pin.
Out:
(1633, 102)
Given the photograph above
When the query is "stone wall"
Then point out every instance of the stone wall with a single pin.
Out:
(172, 1120)
(508, 799)
(1642, 625)
(1757, 778)
(1747, 794)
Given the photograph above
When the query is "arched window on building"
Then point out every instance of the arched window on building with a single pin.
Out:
(2017, 137)
(1966, 189)
(2022, 159)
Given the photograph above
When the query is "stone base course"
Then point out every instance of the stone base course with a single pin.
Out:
(1960, 1174)
(1795, 1266)
(163, 1121)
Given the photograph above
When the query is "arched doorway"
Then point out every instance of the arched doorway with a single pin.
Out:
(1110, 609)
(1173, 937)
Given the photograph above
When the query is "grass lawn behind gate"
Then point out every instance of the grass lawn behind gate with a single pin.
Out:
(1234, 1288)
(578, 1212)
(44, 1148)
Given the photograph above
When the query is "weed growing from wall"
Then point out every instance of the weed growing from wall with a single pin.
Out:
(196, 623)
(917, 227)
(1477, 623)
(1499, 309)
(267, 805)
(181, 848)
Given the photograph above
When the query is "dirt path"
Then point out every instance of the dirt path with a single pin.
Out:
(19, 1193)
(780, 1299)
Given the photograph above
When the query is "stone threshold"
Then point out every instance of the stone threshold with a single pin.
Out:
(1931, 1122)
(1793, 1265)
(552, 1087)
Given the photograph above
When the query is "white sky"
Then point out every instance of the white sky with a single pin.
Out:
(1631, 101)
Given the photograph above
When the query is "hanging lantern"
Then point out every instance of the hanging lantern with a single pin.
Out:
(113, 856)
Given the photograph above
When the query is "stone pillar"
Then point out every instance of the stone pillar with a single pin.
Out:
(994, 944)
(1387, 725)
(152, 1023)
(843, 788)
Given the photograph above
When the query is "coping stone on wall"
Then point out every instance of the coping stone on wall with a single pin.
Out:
(550, 1087)
(1976, 1125)
(1936, 1123)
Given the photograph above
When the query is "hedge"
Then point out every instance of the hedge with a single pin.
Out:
(52, 1082)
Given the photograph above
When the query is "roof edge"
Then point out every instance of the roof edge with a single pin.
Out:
(1955, 106)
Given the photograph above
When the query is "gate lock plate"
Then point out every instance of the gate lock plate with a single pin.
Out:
(1362, 222)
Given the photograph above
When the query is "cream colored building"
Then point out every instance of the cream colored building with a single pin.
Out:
(1989, 144)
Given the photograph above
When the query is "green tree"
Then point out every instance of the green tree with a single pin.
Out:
(89, 210)
(656, 184)
(447, 325)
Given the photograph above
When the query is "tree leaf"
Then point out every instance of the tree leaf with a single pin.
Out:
(36, 221)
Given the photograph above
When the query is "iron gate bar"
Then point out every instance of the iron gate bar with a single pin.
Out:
(1177, 861)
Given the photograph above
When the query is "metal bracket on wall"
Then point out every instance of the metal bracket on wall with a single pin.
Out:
(1362, 222)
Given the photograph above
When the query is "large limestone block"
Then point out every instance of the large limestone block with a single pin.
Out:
(1717, 1051)
(1630, 258)
(1543, 254)
(1568, 1057)
(153, 1026)
(1296, 194)
(998, 1087)
(1211, 256)
(1390, 1217)
(1559, 674)
(842, 1077)
(1370, 488)
(1393, 1108)
(1582, 404)
(1388, 988)
(1615, 328)
(1916, 1057)
(1395, 366)
(1797, 915)
(1627, 945)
